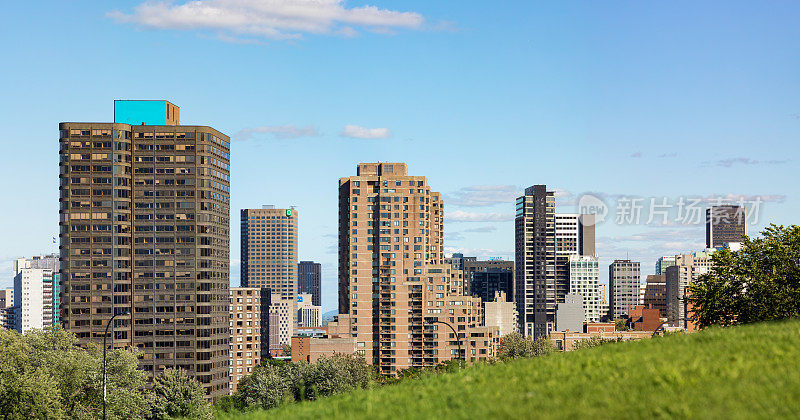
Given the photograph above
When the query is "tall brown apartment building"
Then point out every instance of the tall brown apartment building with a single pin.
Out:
(144, 230)
(245, 332)
(394, 285)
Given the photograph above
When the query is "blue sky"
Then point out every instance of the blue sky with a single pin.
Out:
(621, 99)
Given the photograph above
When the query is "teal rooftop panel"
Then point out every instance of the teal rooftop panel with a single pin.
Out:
(138, 112)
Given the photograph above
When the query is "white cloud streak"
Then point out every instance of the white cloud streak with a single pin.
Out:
(465, 216)
(357, 132)
(279, 131)
(483, 195)
(273, 19)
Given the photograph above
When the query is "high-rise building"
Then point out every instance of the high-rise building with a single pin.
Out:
(687, 269)
(655, 294)
(662, 263)
(487, 282)
(37, 293)
(470, 265)
(145, 235)
(457, 261)
(394, 285)
(245, 333)
(281, 323)
(725, 225)
(624, 278)
(584, 280)
(308, 314)
(269, 249)
(6, 305)
(309, 280)
(544, 241)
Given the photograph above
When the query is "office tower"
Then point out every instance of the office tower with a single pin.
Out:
(487, 282)
(662, 263)
(309, 280)
(584, 280)
(500, 312)
(6, 305)
(269, 249)
(544, 241)
(37, 293)
(624, 278)
(245, 333)
(655, 294)
(470, 265)
(281, 323)
(145, 236)
(725, 225)
(687, 268)
(393, 281)
(308, 314)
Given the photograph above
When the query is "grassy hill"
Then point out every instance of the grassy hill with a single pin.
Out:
(743, 372)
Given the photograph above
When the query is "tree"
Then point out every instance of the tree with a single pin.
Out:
(46, 374)
(759, 282)
(178, 395)
(621, 325)
(271, 385)
(516, 345)
(265, 388)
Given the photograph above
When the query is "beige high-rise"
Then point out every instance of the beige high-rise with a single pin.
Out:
(393, 280)
(269, 249)
(245, 333)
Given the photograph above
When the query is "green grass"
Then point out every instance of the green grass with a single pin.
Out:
(751, 371)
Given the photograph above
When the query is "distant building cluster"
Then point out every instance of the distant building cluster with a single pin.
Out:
(145, 236)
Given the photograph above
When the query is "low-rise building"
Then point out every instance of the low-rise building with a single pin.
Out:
(310, 349)
(644, 319)
(570, 314)
(565, 341)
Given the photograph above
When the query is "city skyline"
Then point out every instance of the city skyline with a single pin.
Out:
(385, 97)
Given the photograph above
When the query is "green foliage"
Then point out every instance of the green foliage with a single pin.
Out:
(271, 385)
(588, 343)
(760, 282)
(45, 374)
(621, 325)
(178, 395)
(737, 373)
(515, 345)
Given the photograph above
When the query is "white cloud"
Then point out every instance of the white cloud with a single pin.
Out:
(358, 132)
(275, 19)
(466, 216)
(481, 253)
(482, 229)
(279, 131)
(483, 195)
(727, 163)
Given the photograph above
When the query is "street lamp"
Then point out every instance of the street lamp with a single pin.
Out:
(458, 340)
(105, 393)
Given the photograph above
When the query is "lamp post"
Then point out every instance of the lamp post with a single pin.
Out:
(105, 393)
(458, 340)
